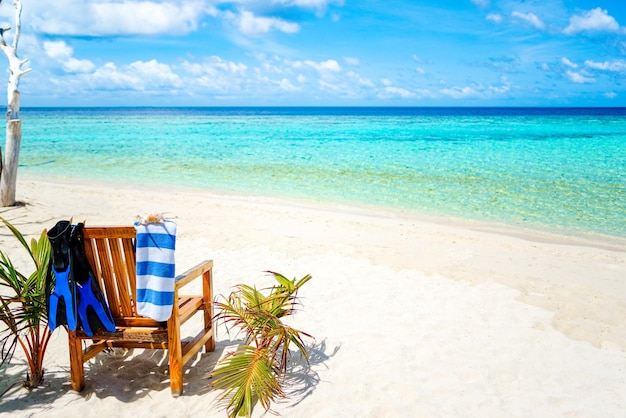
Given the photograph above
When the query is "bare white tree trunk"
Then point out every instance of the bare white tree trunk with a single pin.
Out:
(8, 172)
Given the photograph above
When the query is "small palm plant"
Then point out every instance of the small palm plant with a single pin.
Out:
(23, 306)
(254, 372)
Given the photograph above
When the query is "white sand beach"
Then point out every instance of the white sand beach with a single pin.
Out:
(413, 317)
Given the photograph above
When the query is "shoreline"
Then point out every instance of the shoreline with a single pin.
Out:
(479, 321)
(536, 233)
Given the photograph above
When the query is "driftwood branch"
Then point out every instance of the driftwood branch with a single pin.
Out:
(8, 173)
(15, 64)
(18, 22)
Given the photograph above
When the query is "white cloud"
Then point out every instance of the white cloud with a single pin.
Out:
(63, 53)
(288, 86)
(397, 91)
(569, 63)
(214, 65)
(610, 95)
(500, 89)
(481, 3)
(249, 24)
(477, 90)
(58, 50)
(111, 76)
(352, 61)
(230, 66)
(361, 81)
(389, 91)
(579, 77)
(530, 18)
(319, 6)
(217, 82)
(494, 17)
(139, 75)
(325, 85)
(86, 18)
(459, 92)
(74, 65)
(154, 70)
(328, 66)
(615, 66)
(596, 20)
(310, 4)
(154, 17)
(272, 65)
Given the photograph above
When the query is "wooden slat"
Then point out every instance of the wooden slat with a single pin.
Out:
(175, 352)
(138, 321)
(112, 254)
(188, 306)
(193, 273)
(191, 348)
(109, 232)
(93, 350)
(94, 261)
(110, 285)
(91, 250)
(207, 297)
(130, 334)
(121, 277)
(129, 253)
(134, 344)
(98, 346)
(91, 257)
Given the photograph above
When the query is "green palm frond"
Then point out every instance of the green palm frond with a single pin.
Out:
(23, 304)
(254, 372)
(284, 295)
(19, 236)
(9, 276)
(247, 376)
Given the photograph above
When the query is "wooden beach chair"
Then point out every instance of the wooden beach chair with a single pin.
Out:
(111, 254)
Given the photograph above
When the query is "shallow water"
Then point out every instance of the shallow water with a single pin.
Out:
(561, 169)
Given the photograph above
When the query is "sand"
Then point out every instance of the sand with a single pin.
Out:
(412, 316)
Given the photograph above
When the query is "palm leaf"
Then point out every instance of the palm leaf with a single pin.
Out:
(254, 372)
(19, 236)
(23, 305)
(247, 376)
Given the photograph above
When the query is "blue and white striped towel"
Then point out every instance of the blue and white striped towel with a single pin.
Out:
(155, 246)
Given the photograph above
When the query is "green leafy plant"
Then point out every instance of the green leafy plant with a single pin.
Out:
(23, 306)
(255, 371)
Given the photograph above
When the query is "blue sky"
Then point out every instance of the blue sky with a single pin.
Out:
(322, 52)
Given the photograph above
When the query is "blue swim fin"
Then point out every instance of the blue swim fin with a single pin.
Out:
(61, 286)
(62, 302)
(93, 311)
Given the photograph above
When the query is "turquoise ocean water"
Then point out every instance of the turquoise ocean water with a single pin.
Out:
(561, 169)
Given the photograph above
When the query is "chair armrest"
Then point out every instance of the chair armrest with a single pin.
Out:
(192, 273)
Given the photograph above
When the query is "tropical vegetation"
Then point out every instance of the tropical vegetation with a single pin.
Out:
(255, 370)
(23, 306)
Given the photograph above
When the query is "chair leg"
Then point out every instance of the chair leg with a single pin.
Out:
(77, 371)
(207, 295)
(175, 353)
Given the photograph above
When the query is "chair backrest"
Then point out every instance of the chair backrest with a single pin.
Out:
(111, 253)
